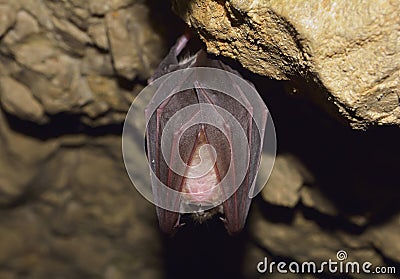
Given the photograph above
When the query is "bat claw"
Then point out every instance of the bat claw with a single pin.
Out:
(223, 220)
(179, 225)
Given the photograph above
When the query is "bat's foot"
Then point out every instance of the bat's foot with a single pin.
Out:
(179, 225)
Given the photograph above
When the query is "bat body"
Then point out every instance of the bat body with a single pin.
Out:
(204, 149)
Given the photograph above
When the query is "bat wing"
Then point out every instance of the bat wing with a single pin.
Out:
(236, 207)
(178, 143)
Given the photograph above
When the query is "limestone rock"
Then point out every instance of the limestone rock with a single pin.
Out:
(281, 233)
(17, 242)
(105, 89)
(99, 7)
(72, 14)
(98, 33)
(58, 48)
(86, 221)
(54, 78)
(302, 240)
(72, 38)
(21, 161)
(347, 51)
(11, 94)
(133, 45)
(313, 198)
(283, 186)
(25, 26)
(7, 18)
(96, 63)
(68, 209)
(386, 238)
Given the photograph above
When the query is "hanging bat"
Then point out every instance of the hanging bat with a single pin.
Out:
(200, 185)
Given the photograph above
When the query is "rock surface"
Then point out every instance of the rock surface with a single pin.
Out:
(82, 51)
(348, 50)
(287, 177)
(68, 73)
(11, 94)
(82, 218)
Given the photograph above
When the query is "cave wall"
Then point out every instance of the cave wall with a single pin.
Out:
(68, 73)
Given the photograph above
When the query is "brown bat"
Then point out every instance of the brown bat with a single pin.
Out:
(203, 189)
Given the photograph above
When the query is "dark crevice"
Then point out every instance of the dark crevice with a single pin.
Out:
(59, 125)
(129, 85)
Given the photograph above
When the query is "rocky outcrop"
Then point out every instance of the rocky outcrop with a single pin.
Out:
(68, 73)
(69, 211)
(72, 56)
(347, 52)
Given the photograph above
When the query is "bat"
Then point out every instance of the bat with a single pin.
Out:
(210, 170)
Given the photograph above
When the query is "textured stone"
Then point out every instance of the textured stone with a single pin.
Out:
(134, 46)
(281, 239)
(100, 7)
(108, 91)
(98, 33)
(9, 241)
(88, 253)
(39, 10)
(68, 13)
(54, 98)
(68, 209)
(118, 4)
(72, 38)
(18, 249)
(45, 58)
(25, 25)
(11, 94)
(313, 198)
(59, 34)
(7, 18)
(348, 51)
(21, 161)
(86, 222)
(96, 63)
(303, 240)
(283, 186)
(53, 76)
(386, 238)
